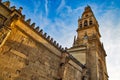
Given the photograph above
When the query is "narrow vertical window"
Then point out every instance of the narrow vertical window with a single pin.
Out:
(90, 22)
(85, 23)
(80, 25)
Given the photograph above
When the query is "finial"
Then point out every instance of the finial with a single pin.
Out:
(23, 17)
(51, 39)
(37, 28)
(74, 40)
(7, 3)
(33, 25)
(87, 8)
(57, 44)
(28, 21)
(60, 47)
(54, 42)
(65, 48)
(45, 34)
(48, 37)
(41, 31)
(12, 8)
(20, 9)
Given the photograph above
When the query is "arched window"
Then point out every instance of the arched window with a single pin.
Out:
(90, 22)
(85, 23)
(80, 25)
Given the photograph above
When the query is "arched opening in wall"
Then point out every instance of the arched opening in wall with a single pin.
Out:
(85, 23)
(80, 25)
(90, 22)
(100, 69)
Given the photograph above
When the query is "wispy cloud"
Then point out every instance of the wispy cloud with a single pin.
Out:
(61, 6)
(63, 28)
(110, 29)
(36, 7)
(46, 7)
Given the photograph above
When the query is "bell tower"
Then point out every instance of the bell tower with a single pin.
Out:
(87, 47)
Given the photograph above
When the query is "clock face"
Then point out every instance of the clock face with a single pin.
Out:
(85, 37)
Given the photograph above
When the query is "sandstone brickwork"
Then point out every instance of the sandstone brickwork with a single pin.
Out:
(28, 53)
(87, 47)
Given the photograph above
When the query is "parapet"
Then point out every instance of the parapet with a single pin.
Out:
(32, 25)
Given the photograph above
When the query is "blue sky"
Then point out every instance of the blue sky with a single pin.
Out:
(59, 19)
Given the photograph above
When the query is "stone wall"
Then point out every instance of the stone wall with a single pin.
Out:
(72, 72)
(22, 58)
(26, 53)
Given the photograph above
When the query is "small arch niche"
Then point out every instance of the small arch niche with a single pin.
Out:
(85, 23)
(90, 22)
(80, 25)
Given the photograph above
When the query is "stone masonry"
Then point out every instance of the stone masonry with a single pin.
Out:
(28, 53)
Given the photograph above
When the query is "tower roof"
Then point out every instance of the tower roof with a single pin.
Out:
(87, 9)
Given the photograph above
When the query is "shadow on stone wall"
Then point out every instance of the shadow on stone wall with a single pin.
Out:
(40, 64)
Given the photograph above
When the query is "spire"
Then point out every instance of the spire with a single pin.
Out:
(88, 8)
(74, 40)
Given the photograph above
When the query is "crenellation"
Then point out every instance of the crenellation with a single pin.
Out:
(23, 17)
(7, 3)
(28, 53)
(54, 42)
(28, 21)
(48, 38)
(45, 35)
(12, 8)
(33, 25)
(51, 40)
(37, 28)
(41, 31)
(60, 47)
(20, 9)
(57, 45)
